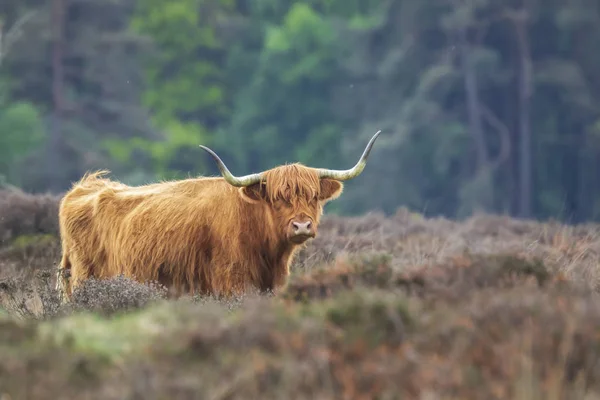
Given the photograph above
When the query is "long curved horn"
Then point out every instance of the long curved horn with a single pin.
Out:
(354, 171)
(229, 177)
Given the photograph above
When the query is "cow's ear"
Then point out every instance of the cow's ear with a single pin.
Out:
(330, 189)
(253, 193)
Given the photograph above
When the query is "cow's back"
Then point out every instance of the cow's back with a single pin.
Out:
(170, 232)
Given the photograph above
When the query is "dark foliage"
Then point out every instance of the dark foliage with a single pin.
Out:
(26, 214)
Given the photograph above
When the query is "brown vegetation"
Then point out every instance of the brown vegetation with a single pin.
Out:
(398, 307)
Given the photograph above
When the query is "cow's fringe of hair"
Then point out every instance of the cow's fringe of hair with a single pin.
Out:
(304, 185)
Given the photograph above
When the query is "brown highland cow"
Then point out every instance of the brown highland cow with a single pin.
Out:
(207, 235)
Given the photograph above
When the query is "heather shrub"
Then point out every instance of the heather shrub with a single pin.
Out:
(115, 295)
(376, 307)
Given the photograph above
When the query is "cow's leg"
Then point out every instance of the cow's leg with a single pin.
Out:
(63, 276)
(276, 278)
(81, 270)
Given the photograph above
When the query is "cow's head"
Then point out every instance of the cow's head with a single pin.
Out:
(295, 194)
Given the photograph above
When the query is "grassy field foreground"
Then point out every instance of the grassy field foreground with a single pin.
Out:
(377, 308)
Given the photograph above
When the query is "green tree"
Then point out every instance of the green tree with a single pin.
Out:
(185, 91)
(284, 112)
(20, 125)
(21, 132)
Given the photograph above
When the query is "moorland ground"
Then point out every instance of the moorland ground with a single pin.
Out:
(398, 307)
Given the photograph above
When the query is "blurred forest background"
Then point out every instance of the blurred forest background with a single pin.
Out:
(485, 105)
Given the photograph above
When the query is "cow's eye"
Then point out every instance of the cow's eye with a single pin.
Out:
(282, 204)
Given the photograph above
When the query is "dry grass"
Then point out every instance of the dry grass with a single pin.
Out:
(413, 242)
(377, 308)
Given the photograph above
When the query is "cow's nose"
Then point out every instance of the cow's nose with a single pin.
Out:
(302, 228)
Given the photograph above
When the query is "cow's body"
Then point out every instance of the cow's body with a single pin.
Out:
(202, 235)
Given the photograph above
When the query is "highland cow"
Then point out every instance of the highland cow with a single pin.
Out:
(206, 235)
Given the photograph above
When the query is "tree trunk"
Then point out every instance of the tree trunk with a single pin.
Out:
(56, 140)
(485, 198)
(525, 91)
(474, 113)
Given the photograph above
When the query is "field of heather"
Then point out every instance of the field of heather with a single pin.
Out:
(401, 307)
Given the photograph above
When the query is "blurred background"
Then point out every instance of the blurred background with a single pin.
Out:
(485, 105)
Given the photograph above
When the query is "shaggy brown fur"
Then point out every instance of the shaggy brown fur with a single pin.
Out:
(197, 235)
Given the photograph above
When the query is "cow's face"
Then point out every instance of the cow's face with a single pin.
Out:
(294, 196)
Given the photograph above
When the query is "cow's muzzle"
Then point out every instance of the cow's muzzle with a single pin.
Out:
(301, 231)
